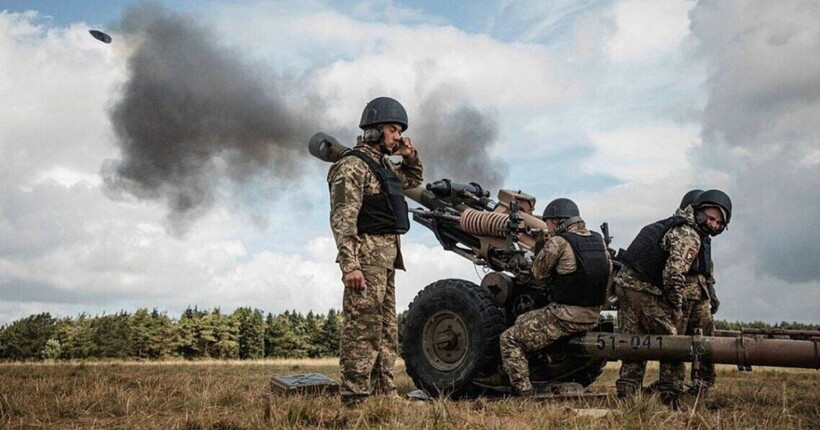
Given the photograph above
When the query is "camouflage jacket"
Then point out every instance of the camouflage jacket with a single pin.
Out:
(682, 243)
(557, 255)
(350, 179)
(697, 286)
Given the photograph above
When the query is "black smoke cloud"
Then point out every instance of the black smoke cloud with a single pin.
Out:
(761, 126)
(194, 112)
(459, 137)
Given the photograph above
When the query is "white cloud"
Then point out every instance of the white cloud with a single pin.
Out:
(648, 28)
(643, 154)
(366, 58)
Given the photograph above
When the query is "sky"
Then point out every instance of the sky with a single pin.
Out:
(169, 168)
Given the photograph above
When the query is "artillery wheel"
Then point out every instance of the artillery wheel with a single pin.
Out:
(450, 336)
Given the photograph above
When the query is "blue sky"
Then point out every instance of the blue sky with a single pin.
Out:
(620, 105)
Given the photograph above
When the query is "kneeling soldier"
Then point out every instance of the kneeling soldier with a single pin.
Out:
(576, 265)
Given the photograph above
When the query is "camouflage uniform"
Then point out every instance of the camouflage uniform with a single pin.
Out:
(643, 308)
(697, 314)
(369, 338)
(539, 328)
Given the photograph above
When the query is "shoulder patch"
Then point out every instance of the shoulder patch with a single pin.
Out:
(689, 255)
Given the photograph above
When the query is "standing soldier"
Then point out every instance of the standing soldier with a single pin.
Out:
(367, 214)
(651, 285)
(575, 261)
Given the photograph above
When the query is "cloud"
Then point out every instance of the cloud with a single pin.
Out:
(643, 154)
(760, 126)
(647, 28)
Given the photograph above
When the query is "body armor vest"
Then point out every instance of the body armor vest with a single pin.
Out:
(645, 254)
(586, 286)
(386, 211)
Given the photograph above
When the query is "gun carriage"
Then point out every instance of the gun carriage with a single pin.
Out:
(451, 330)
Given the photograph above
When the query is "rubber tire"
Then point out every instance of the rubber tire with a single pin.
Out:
(484, 323)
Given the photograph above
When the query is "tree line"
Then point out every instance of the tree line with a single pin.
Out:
(198, 334)
(152, 335)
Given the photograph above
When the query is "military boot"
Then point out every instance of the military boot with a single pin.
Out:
(671, 399)
(626, 389)
(698, 388)
(498, 381)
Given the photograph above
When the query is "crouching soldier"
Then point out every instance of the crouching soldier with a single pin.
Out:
(651, 286)
(575, 263)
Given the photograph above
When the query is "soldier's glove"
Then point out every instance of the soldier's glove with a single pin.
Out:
(715, 303)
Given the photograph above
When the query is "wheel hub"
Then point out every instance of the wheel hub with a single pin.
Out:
(445, 340)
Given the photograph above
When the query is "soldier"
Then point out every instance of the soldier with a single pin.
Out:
(651, 285)
(367, 214)
(700, 304)
(576, 265)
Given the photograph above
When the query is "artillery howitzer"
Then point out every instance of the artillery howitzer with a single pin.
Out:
(452, 326)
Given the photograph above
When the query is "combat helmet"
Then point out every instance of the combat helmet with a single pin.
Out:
(561, 208)
(383, 110)
(689, 198)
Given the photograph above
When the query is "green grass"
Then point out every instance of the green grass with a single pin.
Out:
(235, 395)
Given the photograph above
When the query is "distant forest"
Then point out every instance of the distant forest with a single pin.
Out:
(245, 334)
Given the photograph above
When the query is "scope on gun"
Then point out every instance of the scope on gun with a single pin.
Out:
(445, 189)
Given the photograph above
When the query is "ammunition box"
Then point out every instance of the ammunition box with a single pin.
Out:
(312, 384)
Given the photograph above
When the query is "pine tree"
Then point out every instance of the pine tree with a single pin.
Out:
(284, 341)
(141, 333)
(25, 339)
(112, 336)
(251, 333)
(226, 333)
(330, 335)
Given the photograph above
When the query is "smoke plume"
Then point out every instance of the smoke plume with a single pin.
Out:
(459, 138)
(192, 110)
(194, 113)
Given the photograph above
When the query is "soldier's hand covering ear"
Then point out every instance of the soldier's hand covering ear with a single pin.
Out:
(405, 148)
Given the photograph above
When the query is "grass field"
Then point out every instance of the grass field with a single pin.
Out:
(234, 395)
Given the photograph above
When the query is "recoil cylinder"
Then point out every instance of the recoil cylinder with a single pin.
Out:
(480, 223)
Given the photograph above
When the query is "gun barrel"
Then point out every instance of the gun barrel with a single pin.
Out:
(744, 351)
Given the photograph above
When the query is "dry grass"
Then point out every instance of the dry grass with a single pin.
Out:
(233, 395)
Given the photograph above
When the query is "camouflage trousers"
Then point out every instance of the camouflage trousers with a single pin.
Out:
(532, 331)
(369, 338)
(640, 312)
(698, 315)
